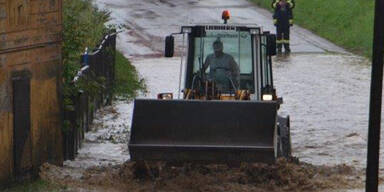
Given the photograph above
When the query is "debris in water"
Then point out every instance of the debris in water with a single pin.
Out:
(353, 135)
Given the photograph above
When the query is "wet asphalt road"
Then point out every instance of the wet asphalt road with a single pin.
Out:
(325, 88)
(151, 20)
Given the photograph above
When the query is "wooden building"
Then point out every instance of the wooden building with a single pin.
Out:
(30, 63)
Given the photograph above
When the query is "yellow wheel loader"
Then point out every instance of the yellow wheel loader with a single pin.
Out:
(229, 108)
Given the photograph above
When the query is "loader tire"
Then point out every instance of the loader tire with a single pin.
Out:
(284, 142)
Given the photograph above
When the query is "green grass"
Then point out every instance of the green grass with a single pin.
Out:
(347, 23)
(127, 81)
(34, 186)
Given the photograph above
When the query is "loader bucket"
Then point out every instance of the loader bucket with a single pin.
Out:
(208, 131)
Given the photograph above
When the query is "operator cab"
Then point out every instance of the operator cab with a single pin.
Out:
(243, 66)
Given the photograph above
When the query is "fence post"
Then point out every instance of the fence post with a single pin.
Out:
(111, 72)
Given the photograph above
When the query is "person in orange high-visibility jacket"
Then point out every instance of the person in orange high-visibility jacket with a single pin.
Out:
(283, 20)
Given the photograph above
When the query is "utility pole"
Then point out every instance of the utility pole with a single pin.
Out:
(375, 101)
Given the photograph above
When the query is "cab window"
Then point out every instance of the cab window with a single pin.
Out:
(236, 44)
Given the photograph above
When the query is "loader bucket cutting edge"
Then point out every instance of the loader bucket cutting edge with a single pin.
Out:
(214, 131)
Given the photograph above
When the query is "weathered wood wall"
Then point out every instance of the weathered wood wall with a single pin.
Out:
(30, 40)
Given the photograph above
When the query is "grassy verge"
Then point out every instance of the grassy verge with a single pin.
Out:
(127, 81)
(346, 23)
(35, 186)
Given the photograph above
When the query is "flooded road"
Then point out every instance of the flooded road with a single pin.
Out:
(327, 98)
(325, 88)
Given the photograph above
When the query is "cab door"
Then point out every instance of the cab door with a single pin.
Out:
(266, 53)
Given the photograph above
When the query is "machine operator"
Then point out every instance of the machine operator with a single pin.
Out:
(223, 68)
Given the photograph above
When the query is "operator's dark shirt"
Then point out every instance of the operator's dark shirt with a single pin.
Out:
(222, 68)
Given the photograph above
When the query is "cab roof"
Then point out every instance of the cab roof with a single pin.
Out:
(223, 27)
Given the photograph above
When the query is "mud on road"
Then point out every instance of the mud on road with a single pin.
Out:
(281, 177)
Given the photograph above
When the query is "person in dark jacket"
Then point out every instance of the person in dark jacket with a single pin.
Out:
(283, 20)
(291, 3)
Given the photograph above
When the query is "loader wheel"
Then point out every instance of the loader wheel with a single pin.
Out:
(284, 142)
